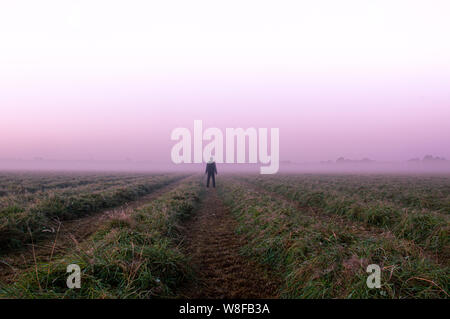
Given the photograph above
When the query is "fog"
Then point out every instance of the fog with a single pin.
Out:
(102, 84)
(285, 167)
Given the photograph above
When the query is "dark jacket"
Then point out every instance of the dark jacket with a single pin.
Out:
(211, 168)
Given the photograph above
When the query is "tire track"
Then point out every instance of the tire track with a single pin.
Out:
(214, 247)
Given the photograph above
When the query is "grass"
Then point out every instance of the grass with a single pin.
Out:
(322, 257)
(20, 223)
(319, 232)
(427, 228)
(132, 256)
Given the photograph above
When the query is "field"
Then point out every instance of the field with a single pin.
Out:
(254, 236)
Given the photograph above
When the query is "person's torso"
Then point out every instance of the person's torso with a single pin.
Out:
(210, 167)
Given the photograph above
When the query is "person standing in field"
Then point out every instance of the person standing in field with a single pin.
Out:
(211, 170)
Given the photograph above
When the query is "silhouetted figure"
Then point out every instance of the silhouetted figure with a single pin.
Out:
(211, 170)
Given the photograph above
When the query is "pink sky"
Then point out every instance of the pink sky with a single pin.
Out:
(107, 82)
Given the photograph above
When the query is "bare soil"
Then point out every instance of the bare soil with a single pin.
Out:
(222, 272)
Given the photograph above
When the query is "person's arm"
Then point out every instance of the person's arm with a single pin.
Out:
(206, 170)
(215, 168)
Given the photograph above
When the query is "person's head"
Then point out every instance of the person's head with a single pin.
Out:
(211, 159)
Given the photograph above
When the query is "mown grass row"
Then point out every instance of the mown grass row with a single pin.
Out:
(27, 199)
(428, 229)
(133, 256)
(20, 183)
(429, 192)
(321, 258)
(19, 225)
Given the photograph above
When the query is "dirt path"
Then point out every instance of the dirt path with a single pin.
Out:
(69, 236)
(214, 248)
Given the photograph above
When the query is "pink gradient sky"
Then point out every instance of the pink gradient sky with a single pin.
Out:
(107, 82)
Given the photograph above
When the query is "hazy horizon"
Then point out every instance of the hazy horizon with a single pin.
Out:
(146, 166)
